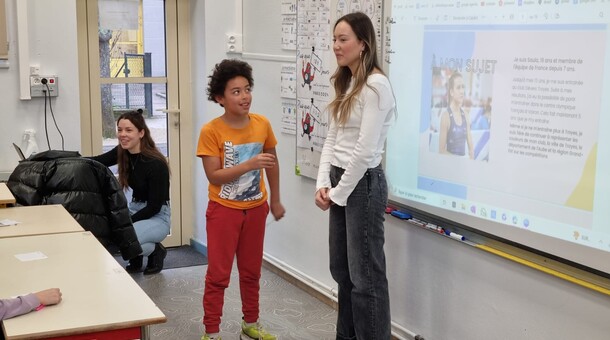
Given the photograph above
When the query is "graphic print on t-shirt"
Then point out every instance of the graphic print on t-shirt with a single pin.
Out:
(247, 187)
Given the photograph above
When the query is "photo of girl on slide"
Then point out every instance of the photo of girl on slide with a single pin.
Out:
(460, 117)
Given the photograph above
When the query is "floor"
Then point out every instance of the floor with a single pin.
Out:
(286, 310)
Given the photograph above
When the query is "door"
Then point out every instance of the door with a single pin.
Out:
(132, 63)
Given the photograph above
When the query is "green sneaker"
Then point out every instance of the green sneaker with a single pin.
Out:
(207, 337)
(255, 331)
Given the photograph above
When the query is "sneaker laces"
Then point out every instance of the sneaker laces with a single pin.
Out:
(260, 330)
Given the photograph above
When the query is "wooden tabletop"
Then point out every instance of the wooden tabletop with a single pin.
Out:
(6, 196)
(98, 294)
(38, 220)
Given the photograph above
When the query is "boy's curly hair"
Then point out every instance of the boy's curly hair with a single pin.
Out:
(225, 71)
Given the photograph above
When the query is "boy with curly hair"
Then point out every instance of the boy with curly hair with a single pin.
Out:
(236, 149)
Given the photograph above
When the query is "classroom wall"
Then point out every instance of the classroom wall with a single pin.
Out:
(52, 46)
(440, 288)
(289, 241)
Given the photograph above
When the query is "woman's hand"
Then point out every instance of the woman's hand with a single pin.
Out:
(323, 199)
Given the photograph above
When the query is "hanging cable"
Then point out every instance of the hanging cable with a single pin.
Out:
(46, 130)
(53, 115)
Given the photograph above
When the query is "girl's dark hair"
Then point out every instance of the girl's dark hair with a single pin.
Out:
(225, 71)
(341, 106)
(147, 146)
(450, 84)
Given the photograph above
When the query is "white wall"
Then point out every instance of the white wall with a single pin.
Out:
(52, 46)
(208, 41)
(300, 239)
(440, 288)
(290, 241)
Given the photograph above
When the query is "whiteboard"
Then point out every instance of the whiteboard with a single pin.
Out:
(500, 125)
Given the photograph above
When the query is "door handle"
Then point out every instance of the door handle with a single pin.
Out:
(174, 111)
(169, 110)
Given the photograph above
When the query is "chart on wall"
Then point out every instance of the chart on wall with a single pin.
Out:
(315, 65)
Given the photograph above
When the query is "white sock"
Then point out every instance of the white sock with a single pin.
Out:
(213, 335)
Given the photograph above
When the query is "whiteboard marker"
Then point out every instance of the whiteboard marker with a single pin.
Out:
(454, 235)
(417, 222)
(432, 227)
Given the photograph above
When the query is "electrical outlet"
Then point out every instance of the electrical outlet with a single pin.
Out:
(43, 85)
(34, 70)
(234, 43)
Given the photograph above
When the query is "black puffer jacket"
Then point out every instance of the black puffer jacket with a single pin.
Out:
(86, 188)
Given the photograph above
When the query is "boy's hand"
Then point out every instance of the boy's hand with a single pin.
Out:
(277, 210)
(263, 160)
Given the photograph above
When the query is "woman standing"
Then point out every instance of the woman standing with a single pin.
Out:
(144, 169)
(351, 181)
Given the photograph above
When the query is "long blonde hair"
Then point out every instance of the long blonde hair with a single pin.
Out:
(341, 107)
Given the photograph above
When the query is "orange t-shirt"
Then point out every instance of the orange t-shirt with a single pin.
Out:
(235, 146)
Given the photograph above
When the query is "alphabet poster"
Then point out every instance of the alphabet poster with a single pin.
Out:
(315, 65)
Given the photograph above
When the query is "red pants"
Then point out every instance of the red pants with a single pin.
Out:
(233, 232)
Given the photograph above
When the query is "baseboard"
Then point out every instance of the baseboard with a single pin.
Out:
(306, 287)
(200, 247)
(293, 279)
(329, 298)
(398, 333)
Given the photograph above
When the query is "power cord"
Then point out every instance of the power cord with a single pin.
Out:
(46, 130)
(47, 92)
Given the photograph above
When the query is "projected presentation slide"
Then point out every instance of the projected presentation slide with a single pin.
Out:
(502, 113)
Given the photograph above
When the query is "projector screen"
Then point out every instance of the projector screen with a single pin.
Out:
(503, 120)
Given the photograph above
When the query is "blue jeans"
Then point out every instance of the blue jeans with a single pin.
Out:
(152, 230)
(357, 258)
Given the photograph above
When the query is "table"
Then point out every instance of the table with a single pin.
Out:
(6, 196)
(38, 220)
(100, 299)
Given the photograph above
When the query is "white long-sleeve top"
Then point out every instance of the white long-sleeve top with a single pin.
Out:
(358, 145)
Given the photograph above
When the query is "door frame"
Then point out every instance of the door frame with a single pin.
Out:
(180, 117)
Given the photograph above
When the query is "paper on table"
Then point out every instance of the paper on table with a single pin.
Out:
(37, 255)
(6, 222)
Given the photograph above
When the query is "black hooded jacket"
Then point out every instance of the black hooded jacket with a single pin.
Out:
(86, 188)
